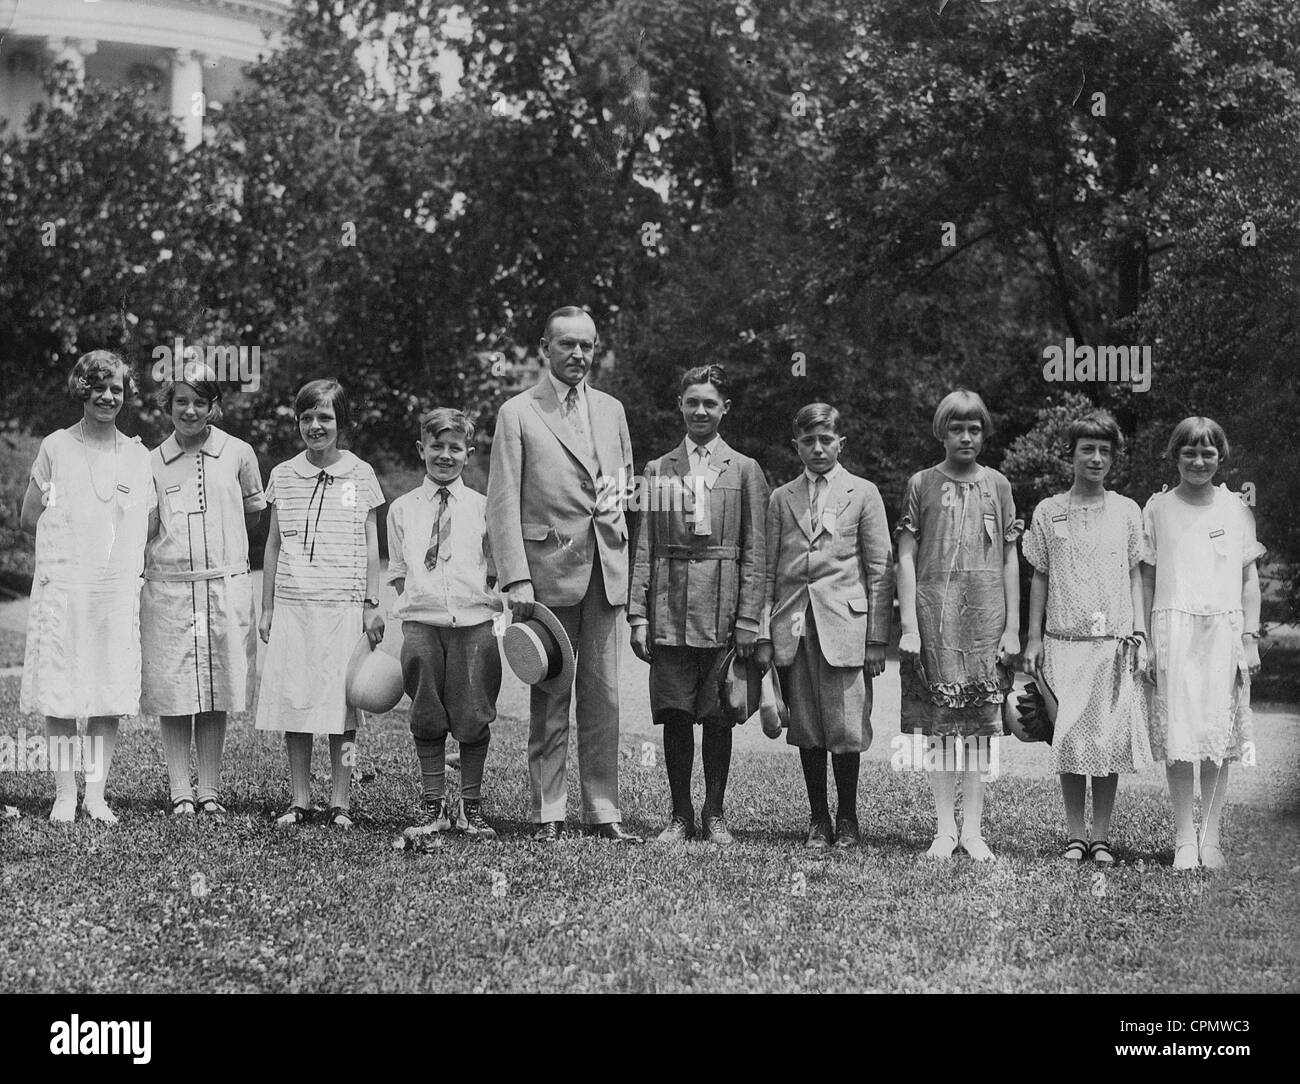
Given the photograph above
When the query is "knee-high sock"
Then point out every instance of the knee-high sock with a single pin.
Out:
(299, 749)
(473, 759)
(846, 767)
(679, 759)
(943, 785)
(343, 755)
(1074, 792)
(1182, 787)
(1214, 792)
(1103, 801)
(102, 732)
(433, 767)
(814, 777)
(715, 751)
(60, 738)
(972, 802)
(209, 740)
(176, 752)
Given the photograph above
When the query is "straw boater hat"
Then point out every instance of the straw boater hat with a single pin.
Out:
(539, 652)
(374, 679)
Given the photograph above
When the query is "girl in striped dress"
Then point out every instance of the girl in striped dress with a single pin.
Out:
(320, 589)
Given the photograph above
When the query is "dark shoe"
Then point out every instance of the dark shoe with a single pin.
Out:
(476, 825)
(716, 831)
(819, 836)
(338, 817)
(549, 832)
(847, 834)
(679, 830)
(615, 834)
(433, 812)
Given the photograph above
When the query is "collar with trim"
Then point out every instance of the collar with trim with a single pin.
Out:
(344, 465)
(213, 445)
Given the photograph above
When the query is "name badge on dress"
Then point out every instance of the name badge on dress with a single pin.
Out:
(1061, 526)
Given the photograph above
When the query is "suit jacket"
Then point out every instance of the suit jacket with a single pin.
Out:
(549, 511)
(846, 574)
(693, 587)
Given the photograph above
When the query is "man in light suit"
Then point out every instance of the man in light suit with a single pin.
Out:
(559, 539)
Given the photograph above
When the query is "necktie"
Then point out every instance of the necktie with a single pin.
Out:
(441, 531)
(574, 417)
(818, 499)
(703, 523)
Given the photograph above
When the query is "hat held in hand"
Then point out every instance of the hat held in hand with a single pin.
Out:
(539, 652)
(772, 710)
(1033, 718)
(374, 679)
(739, 687)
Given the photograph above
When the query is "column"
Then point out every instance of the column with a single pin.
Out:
(188, 101)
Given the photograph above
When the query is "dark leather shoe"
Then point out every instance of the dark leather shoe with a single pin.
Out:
(549, 832)
(679, 830)
(716, 831)
(615, 834)
(819, 836)
(846, 833)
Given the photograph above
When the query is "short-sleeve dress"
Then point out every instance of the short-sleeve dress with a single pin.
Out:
(320, 586)
(961, 527)
(83, 629)
(1201, 707)
(1087, 554)
(199, 629)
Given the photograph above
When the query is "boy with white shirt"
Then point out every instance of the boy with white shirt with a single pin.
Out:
(441, 567)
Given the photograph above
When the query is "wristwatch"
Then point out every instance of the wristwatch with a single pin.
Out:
(370, 602)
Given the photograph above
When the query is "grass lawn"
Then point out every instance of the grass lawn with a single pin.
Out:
(155, 906)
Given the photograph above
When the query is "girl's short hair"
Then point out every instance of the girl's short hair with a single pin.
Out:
(433, 422)
(961, 406)
(1196, 430)
(95, 366)
(815, 414)
(704, 374)
(1096, 425)
(199, 376)
(329, 392)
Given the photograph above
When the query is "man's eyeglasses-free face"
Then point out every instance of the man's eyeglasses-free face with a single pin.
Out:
(568, 346)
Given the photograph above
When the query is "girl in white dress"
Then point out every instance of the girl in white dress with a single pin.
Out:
(198, 634)
(90, 503)
(320, 590)
(1202, 588)
(1086, 546)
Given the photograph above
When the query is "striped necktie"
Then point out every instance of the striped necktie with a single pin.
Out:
(818, 499)
(573, 415)
(441, 531)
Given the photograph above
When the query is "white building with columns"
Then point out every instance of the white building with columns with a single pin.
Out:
(194, 51)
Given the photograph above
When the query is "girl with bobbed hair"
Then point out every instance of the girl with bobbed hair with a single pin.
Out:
(90, 504)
